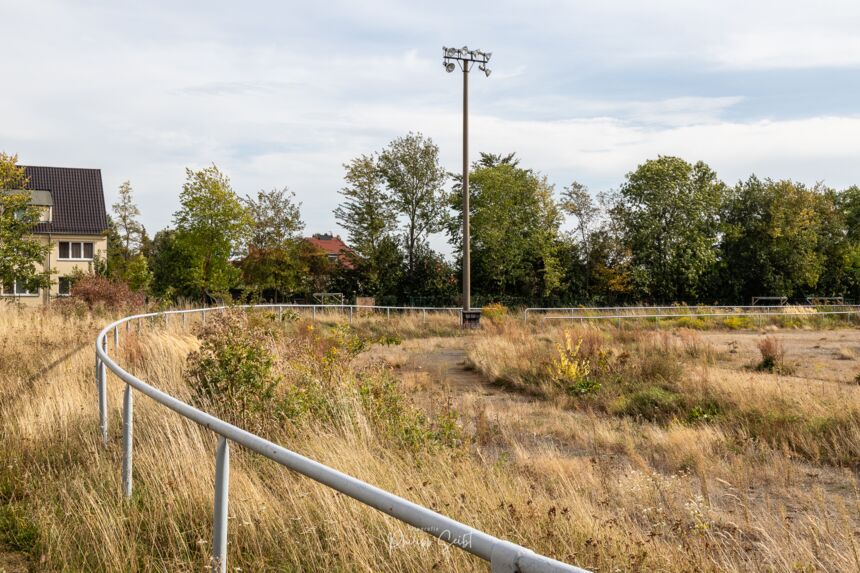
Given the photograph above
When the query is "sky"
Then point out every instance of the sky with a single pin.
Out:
(284, 93)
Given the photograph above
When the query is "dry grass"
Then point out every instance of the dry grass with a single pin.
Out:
(595, 487)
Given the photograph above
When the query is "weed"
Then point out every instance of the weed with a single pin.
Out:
(772, 355)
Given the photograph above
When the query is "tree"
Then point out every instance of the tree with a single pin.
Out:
(276, 219)
(125, 215)
(367, 215)
(411, 169)
(21, 253)
(211, 225)
(514, 231)
(272, 264)
(577, 201)
(770, 241)
(170, 266)
(667, 213)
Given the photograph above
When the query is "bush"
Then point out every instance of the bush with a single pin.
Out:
(101, 292)
(772, 355)
(494, 311)
(569, 369)
(737, 322)
(234, 369)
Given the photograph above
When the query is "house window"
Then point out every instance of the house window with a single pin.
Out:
(17, 288)
(64, 286)
(73, 250)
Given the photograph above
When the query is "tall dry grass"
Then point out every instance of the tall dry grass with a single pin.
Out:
(604, 492)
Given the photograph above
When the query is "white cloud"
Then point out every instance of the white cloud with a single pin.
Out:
(284, 95)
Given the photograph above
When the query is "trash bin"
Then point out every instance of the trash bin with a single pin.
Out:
(471, 318)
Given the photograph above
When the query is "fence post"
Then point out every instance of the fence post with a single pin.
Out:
(127, 436)
(314, 312)
(350, 315)
(103, 417)
(423, 315)
(203, 316)
(222, 491)
(280, 314)
(388, 314)
(116, 337)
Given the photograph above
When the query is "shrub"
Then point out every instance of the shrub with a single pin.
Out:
(737, 322)
(233, 369)
(494, 311)
(652, 403)
(98, 291)
(569, 368)
(772, 355)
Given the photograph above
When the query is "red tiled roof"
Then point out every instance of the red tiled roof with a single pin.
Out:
(332, 245)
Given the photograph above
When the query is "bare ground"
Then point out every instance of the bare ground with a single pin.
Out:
(831, 355)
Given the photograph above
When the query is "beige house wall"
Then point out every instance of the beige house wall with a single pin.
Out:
(62, 267)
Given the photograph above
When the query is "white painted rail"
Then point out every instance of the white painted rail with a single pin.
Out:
(503, 556)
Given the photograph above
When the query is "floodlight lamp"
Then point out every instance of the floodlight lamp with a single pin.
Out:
(449, 67)
(487, 72)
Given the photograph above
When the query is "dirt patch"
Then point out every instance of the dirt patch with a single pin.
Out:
(832, 355)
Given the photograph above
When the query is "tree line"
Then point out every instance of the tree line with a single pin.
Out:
(672, 232)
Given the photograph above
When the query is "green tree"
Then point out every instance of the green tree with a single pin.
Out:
(415, 178)
(577, 202)
(170, 266)
(273, 265)
(276, 219)
(125, 214)
(369, 219)
(211, 226)
(770, 241)
(21, 253)
(667, 213)
(514, 231)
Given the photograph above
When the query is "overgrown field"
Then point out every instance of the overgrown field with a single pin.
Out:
(614, 449)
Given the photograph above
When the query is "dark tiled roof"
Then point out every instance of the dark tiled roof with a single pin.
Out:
(79, 200)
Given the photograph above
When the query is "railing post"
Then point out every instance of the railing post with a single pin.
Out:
(280, 314)
(103, 416)
(203, 316)
(127, 437)
(222, 492)
(387, 314)
(116, 337)
(423, 315)
(350, 315)
(314, 312)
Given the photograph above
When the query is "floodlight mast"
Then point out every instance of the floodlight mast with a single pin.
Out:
(466, 58)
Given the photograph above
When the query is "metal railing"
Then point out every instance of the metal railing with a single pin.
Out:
(502, 555)
(657, 317)
(701, 310)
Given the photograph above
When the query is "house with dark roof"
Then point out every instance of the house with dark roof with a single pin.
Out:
(73, 222)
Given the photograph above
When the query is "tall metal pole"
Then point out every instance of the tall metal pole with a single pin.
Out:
(467, 279)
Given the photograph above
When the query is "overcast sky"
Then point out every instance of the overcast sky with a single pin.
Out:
(283, 93)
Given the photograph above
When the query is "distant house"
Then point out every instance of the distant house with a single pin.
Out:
(73, 222)
(332, 246)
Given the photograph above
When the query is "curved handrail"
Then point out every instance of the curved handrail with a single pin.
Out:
(503, 555)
